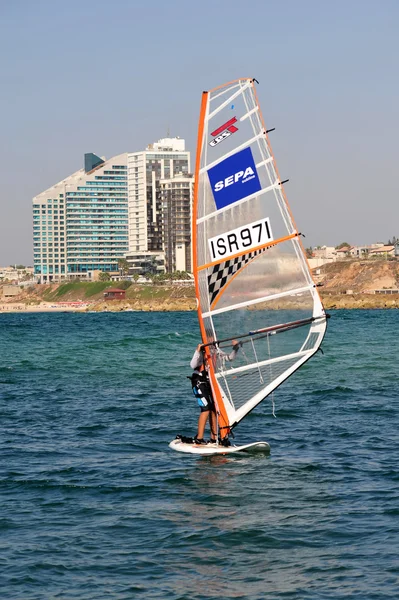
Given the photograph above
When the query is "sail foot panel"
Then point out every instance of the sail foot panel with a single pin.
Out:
(244, 386)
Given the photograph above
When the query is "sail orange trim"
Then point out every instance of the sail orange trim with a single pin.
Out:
(238, 254)
(222, 417)
(219, 87)
(221, 413)
(282, 188)
(204, 104)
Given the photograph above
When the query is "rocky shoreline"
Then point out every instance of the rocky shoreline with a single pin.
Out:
(330, 301)
(362, 301)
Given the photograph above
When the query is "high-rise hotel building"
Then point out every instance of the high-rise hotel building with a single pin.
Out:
(106, 211)
(81, 223)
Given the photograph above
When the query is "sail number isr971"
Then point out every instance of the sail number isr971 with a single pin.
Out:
(240, 239)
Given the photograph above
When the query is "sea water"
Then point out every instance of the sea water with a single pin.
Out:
(94, 505)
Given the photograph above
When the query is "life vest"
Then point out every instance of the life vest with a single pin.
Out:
(201, 387)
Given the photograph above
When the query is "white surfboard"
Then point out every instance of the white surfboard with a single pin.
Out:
(212, 449)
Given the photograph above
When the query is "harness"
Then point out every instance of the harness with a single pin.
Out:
(201, 386)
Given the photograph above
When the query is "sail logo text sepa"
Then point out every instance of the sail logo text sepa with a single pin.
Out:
(223, 132)
(234, 178)
(240, 240)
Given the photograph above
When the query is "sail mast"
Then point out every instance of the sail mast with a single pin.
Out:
(222, 417)
(201, 123)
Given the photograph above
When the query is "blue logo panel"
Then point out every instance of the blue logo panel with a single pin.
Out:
(234, 178)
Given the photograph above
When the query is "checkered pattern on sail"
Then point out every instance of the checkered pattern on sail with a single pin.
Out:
(222, 272)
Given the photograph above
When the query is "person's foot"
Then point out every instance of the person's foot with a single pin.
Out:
(200, 441)
(225, 442)
(211, 441)
(185, 439)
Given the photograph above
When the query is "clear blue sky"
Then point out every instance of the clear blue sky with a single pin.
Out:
(110, 77)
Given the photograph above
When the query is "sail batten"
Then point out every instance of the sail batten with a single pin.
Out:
(234, 370)
(244, 145)
(214, 97)
(264, 162)
(226, 102)
(254, 195)
(251, 273)
(249, 113)
(255, 249)
(240, 305)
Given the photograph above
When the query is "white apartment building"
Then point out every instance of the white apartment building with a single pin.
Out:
(161, 160)
(177, 202)
(80, 224)
(146, 262)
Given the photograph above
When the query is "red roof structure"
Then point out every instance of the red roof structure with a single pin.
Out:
(114, 294)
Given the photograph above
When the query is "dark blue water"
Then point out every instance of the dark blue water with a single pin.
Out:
(94, 505)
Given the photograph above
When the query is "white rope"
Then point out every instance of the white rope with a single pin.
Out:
(257, 362)
(244, 355)
(272, 399)
(271, 374)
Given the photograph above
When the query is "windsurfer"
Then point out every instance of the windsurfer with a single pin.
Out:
(202, 389)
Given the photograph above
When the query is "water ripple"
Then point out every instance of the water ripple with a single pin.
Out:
(95, 505)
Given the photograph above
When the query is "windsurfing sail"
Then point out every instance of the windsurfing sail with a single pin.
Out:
(253, 282)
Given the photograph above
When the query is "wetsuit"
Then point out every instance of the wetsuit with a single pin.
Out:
(199, 379)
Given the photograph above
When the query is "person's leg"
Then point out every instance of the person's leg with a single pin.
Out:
(213, 424)
(201, 424)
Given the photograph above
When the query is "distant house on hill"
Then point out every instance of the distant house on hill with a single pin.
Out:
(114, 294)
(364, 251)
(321, 256)
(360, 251)
(382, 251)
(326, 252)
(343, 252)
(10, 290)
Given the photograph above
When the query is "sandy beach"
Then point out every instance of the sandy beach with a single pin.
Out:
(12, 307)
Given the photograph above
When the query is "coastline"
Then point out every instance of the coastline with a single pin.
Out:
(330, 301)
(21, 307)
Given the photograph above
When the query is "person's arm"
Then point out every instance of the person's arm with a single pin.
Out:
(236, 346)
(197, 358)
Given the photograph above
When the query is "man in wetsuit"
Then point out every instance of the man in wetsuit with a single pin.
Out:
(203, 392)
